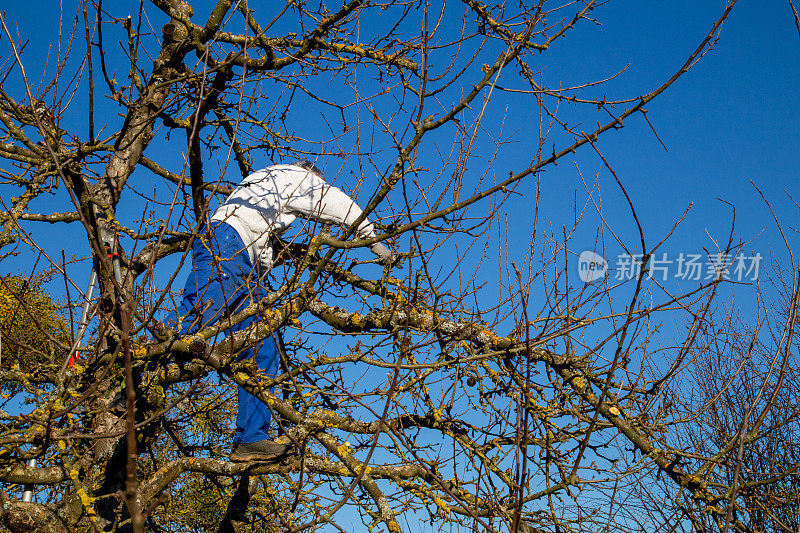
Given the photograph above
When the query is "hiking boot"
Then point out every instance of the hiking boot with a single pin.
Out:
(263, 450)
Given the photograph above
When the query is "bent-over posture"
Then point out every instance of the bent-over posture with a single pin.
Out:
(238, 248)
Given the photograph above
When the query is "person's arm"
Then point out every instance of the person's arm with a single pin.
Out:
(318, 200)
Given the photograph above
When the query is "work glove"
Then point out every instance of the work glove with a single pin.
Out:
(385, 256)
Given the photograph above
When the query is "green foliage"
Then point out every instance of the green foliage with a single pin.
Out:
(34, 331)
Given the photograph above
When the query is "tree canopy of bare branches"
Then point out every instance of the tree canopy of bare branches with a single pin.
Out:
(476, 383)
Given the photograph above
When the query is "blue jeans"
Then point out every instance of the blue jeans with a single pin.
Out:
(222, 286)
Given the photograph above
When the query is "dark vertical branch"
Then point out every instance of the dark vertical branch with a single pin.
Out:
(90, 72)
(237, 506)
(131, 481)
(207, 103)
(522, 417)
(196, 174)
(796, 16)
(245, 167)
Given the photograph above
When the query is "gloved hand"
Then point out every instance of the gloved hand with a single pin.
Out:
(385, 255)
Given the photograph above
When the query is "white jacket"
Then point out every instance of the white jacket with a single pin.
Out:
(269, 200)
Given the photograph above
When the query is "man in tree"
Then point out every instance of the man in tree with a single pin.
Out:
(230, 261)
